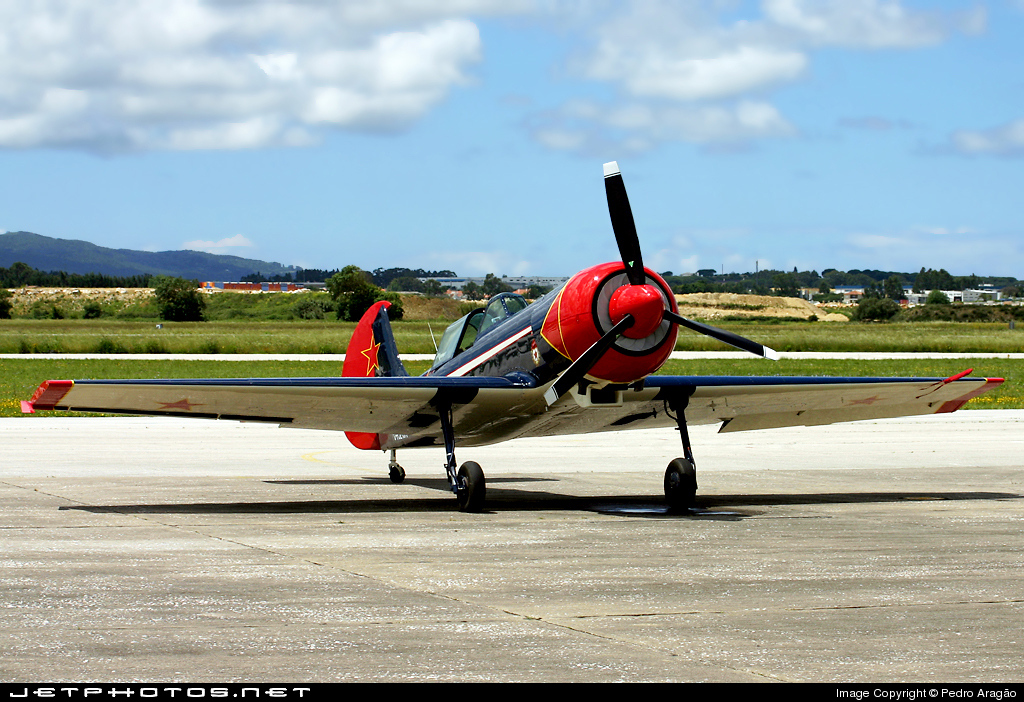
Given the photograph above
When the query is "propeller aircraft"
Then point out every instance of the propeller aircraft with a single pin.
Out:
(580, 359)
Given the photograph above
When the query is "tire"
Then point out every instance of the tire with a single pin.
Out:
(397, 474)
(680, 484)
(472, 487)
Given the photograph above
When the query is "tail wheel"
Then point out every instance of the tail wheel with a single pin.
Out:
(680, 483)
(472, 487)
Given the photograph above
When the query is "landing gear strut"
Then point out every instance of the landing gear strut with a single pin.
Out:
(681, 474)
(468, 482)
(395, 471)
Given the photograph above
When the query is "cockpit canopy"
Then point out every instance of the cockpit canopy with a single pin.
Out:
(461, 334)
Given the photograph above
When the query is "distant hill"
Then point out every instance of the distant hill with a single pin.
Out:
(74, 256)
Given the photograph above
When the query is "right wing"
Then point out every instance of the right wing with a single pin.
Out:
(742, 403)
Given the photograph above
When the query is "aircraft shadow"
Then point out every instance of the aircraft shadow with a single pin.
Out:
(431, 483)
(709, 507)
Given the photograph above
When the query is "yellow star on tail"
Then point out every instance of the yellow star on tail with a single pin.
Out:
(371, 359)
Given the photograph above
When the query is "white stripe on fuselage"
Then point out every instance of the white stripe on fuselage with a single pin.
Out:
(462, 370)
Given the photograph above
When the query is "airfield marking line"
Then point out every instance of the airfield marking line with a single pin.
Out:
(312, 456)
(149, 518)
(41, 492)
(888, 605)
(633, 643)
(836, 608)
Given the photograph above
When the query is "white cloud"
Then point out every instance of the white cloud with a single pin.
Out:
(666, 260)
(1004, 140)
(874, 124)
(876, 241)
(130, 75)
(947, 231)
(217, 247)
(672, 72)
(865, 23)
(477, 263)
(210, 74)
(682, 51)
(590, 128)
(963, 250)
(696, 71)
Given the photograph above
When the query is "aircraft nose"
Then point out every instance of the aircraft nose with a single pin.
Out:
(646, 305)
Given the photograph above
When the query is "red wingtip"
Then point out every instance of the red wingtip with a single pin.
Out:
(954, 405)
(47, 395)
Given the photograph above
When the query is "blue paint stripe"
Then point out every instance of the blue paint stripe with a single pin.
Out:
(429, 383)
(673, 381)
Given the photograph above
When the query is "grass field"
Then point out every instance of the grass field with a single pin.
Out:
(20, 377)
(29, 336)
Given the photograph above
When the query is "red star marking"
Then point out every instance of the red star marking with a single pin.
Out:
(182, 404)
(866, 401)
(371, 359)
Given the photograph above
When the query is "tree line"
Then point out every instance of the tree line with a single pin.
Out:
(21, 274)
(771, 281)
(789, 283)
(382, 277)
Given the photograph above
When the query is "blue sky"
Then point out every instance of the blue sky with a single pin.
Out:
(470, 134)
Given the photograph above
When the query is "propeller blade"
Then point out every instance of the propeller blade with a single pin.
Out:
(622, 224)
(582, 365)
(724, 336)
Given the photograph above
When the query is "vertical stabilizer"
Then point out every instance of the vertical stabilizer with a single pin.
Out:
(372, 353)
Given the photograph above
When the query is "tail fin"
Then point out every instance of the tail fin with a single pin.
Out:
(372, 352)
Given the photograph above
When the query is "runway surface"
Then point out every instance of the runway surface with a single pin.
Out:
(175, 550)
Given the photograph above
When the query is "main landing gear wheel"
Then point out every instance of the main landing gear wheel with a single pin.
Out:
(680, 483)
(471, 487)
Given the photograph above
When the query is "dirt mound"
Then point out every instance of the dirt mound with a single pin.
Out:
(719, 305)
(420, 308)
(73, 299)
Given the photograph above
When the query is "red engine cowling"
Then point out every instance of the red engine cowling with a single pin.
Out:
(593, 301)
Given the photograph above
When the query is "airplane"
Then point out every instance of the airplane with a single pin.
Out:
(580, 359)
